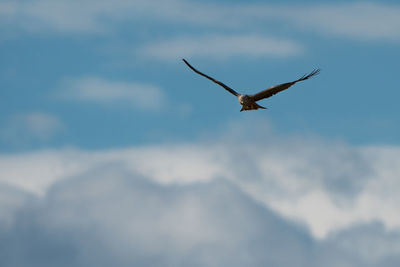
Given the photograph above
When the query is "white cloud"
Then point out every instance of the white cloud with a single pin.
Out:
(365, 20)
(375, 21)
(326, 186)
(59, 16)
(109, 214)
(111, 93)
(371, 242)
(11, 200)
(98, 16)
(221, 47)
(180, 202)
(84, 16)
(31, 126)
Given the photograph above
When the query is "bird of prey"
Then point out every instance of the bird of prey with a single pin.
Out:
(248, 102)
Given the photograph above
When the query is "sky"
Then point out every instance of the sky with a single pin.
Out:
(114, 153)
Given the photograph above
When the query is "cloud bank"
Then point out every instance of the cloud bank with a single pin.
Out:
(269, 201)
(108, 215)
(328, 187)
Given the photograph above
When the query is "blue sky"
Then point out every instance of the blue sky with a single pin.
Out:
(97, 105)
(244, 44)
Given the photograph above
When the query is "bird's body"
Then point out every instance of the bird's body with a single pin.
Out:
(248, 102)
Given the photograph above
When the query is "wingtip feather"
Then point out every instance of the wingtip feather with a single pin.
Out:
(307, 76)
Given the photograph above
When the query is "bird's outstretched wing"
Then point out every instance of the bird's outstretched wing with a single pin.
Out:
(230, 90)
(280, 87)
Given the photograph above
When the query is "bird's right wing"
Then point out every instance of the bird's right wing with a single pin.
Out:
(280, 87)
(230, 90)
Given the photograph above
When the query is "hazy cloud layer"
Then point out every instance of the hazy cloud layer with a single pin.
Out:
(111, 216)
(280, 202)
(326, 186)
(365, 20)
(362, 20)
(33, 126)
(110, 93)
(220, 47)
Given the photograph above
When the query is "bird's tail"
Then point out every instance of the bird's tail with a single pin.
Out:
(254, 106)
(258, 106)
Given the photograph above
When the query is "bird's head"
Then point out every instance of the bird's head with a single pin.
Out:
(243, 99)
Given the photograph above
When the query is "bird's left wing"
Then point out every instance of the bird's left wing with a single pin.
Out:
(280, 87)
(230, 90)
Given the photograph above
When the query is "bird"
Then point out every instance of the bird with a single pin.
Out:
(249, 102)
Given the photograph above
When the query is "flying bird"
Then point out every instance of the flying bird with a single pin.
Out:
(248, 102)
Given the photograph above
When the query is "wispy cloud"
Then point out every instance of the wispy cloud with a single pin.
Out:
(59, 16)
(114, 93)
(91, 16)
(221, 47)
(371, 21)
(31, 126)
(365, 20)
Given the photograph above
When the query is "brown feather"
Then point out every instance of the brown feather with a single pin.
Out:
(280, 87)
(230, 90)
